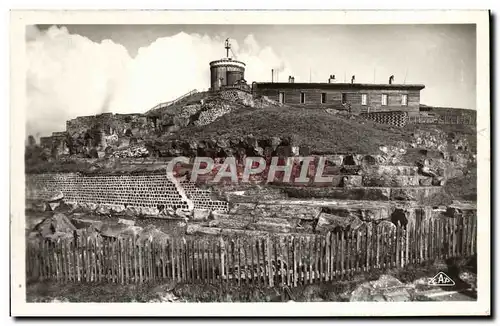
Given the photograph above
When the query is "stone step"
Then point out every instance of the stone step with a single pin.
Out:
(373, 180)
(272, 227)
(197, 229)
(263, 211)
(232, 223)
(408, 170)
(290, 211)
(294, 216)
(417, 193)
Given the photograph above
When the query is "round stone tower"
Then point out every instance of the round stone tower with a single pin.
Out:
(226, 71)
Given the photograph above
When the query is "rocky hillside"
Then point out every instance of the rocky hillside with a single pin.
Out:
(234, 123)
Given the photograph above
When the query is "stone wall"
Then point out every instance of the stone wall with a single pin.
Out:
(148, 193)
(109, 122)
(106, 130)
(57, 143)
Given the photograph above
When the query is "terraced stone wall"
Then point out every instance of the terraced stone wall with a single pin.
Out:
(151, 193)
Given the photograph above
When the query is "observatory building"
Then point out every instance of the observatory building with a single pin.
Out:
(227, 71)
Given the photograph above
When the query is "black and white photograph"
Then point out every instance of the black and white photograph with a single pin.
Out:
(278, 159)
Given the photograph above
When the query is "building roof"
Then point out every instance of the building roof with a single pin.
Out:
(339, 85)
(227, 62)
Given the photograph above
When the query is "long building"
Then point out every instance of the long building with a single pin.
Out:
(352, 96)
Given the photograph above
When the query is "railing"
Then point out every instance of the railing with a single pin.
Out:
(271, 261)
(165, 104)
(443, 119)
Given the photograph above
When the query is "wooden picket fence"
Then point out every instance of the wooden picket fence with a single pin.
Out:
(267, 261)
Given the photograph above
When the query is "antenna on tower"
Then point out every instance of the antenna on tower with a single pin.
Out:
(234, 55)
(227, 45)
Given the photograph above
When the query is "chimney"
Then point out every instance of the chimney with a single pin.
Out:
(272, 75)
(291, 79)
(331, 79)
(391, 79)
(352, 79)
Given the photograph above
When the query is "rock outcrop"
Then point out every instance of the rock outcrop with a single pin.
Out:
(386, 289)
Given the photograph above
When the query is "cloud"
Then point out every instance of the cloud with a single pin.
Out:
(70, 75)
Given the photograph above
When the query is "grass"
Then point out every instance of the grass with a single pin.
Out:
(321, 131)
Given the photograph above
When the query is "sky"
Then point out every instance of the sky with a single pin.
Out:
(77, 70)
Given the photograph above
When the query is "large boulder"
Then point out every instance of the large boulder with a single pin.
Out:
(58, 223)
(270, 227)
(201, 214)
(299, 212)
(330, 222)
(126, 221)
(469, 278)
(199, 229)
(351, 181)
(119, 230)
(151, 233)
(386, 288)
(55, 197)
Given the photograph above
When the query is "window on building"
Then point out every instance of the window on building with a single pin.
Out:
(323, 98)
(281, 97)
(302, 98)
(364, 99)
(344, 98)
(384, 99)
(404, 100)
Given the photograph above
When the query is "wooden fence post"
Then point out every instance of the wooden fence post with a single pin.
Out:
(184, 259)
(199, 260)
(468, 237)
(173, 252)
(369, 246)
(128, 263)
(87, 259)
(254, 265)
(474, 236)
(187, 257)
(214, 262)
(136, 258)
(238, 261)
(398, 244)
(358, 250)
(269, 262)
(65, 255)
(407, 245)
(465, 233)
(258, 261)
(234, 260)
(301, 273)
(309, 265)
(142, 269)
(119, 260)
(294, 260)
(245, 261)
(222, 259)
(454, 232)
(328, 271)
